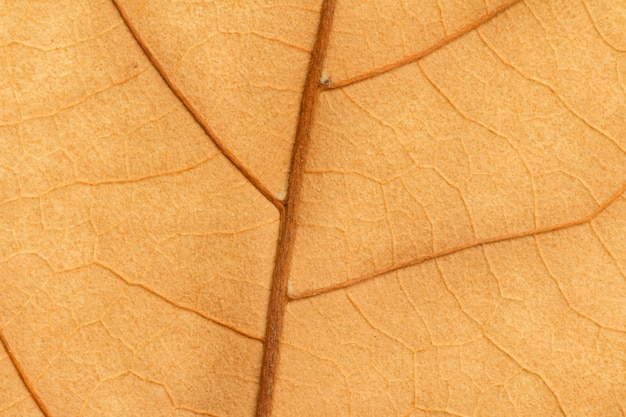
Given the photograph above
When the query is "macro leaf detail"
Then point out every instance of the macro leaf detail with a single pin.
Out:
(313, 208)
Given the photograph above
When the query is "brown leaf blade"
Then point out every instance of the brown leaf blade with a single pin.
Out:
(448, 241)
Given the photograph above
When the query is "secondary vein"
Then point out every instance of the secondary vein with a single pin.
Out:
(22, 374)
(415, 57)
(194, 112)
(450, 251)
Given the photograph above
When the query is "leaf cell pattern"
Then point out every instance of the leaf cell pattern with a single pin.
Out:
(313, 208)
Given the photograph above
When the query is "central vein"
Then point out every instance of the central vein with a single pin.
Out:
(289, 216)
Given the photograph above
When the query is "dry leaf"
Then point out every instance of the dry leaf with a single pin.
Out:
(449, 240)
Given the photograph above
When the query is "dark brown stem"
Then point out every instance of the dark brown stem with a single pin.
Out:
(278, 297)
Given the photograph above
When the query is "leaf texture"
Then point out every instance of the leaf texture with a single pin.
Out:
(313, 208)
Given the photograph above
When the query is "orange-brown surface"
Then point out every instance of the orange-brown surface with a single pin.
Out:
(318, 208)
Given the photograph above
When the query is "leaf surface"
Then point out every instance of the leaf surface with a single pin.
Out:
(313, 208)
